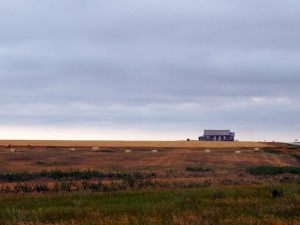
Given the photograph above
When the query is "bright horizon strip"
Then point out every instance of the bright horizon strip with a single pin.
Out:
(88, 133)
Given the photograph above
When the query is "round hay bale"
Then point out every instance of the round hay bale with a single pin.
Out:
(238, 152)
(128, 150)
(154, 150)
(13, 150)
(256, 149)
(7, 146)
(72, 149)
(95, 148)
(207, 150)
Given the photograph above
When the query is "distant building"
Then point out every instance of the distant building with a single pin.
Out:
(217, 135)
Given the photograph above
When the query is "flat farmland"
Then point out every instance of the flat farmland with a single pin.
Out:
(111, 156)
(43, 182)
(137, 144)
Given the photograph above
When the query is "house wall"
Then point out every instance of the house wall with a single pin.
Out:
(216, 138)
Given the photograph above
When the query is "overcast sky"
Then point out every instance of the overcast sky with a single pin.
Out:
(149, 69)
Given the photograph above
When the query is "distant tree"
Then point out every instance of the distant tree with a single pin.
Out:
(296, 140)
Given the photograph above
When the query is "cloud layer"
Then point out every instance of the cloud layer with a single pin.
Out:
(179, 67)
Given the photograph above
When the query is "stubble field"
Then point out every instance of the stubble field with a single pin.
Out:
(112, 156)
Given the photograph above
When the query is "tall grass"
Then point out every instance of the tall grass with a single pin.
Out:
(217, 205)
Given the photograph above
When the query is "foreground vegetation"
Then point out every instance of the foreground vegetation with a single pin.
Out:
(92, 174)
(213, 205)
(188, 187)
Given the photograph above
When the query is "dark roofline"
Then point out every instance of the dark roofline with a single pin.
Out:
(219, 132)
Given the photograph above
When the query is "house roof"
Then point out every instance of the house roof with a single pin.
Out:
(218, 132)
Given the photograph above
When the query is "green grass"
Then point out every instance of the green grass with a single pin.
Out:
(214, 205)
(273, 170)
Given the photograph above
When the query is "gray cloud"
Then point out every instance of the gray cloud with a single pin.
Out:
(218, 64)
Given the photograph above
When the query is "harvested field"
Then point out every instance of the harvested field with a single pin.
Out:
(137, 144)
(113, 159)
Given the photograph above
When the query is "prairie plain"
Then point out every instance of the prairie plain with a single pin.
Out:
(45, 182)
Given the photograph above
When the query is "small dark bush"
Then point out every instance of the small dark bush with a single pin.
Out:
(218, 195)
(296, 156)
(206, 183)
(276, 193)
(41, 188)
(286, 180)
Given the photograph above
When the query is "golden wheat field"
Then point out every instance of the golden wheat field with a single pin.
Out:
(138, 144)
